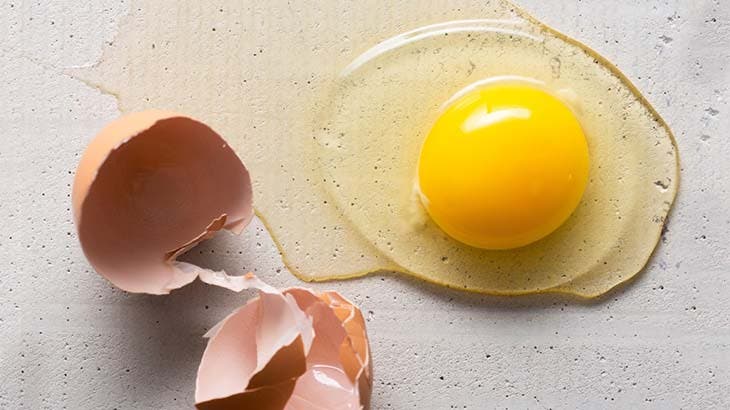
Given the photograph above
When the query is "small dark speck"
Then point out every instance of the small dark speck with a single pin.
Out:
(665, 229)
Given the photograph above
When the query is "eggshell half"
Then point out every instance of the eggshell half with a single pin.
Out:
(150, 186)
(291, 350)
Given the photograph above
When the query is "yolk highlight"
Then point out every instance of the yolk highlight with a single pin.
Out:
(503, 166)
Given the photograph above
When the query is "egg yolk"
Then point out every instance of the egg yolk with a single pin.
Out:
(503, 166)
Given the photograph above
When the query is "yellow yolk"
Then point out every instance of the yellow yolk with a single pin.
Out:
(503, 166)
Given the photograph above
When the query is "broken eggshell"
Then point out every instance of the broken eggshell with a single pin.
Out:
(292, 350)
(150, 186)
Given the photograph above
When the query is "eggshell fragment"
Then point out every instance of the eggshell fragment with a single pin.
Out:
(291, 350)
(340, 355)
(149, 187)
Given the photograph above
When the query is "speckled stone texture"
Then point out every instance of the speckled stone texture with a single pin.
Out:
(72, 341)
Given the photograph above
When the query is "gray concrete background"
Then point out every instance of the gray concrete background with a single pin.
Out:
(69, 340)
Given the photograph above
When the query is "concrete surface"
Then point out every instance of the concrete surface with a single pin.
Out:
(72, 341)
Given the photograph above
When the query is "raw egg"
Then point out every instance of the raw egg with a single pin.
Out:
(571, 197)
(497, 157)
